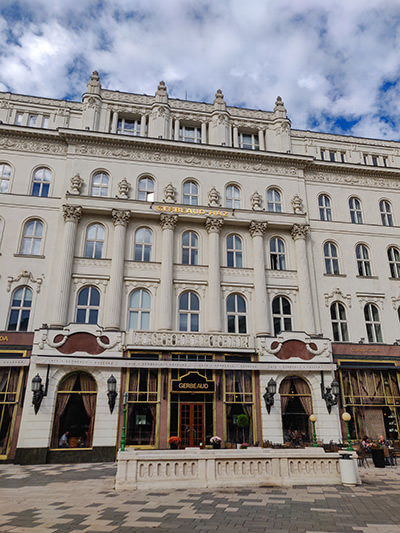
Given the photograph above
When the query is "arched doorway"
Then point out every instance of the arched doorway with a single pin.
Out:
(75, 412)
(296, 406)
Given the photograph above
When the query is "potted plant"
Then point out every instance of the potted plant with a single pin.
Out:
(174, 442)
(216, 442)
(244, 446)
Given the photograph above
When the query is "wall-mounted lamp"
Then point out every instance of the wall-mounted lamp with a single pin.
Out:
(111, 392)
(38, 391)
(270, 391)
(330, 394)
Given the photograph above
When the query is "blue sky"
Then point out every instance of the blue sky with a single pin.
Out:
(336, 63)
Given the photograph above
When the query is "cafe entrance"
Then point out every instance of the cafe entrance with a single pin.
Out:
(191, 424)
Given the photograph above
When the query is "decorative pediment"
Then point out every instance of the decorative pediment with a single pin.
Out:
(337, 294)
(25, 278)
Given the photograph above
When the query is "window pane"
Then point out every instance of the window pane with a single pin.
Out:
(93, 316)
(95, 297)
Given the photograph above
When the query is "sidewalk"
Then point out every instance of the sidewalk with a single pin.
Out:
(81, 498)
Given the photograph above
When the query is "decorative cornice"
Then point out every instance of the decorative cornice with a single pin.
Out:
(72, 213)
(168, 221)
(120, 217)
(257, 229)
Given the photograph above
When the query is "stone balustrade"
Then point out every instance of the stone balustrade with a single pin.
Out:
(192, 467)
(214, 341)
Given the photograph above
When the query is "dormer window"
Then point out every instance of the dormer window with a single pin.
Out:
(249, 141)
(190, 134)
(127, 126)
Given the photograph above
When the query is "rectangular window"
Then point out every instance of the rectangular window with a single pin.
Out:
(32, 121)
(384, 159)
(332, 156)
(342, 158)
(365, 160)
(18, 119)
(142, 388)
(322, 155)
(374, 161)
(45, 122)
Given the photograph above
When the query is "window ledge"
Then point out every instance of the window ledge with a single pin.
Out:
(394, 279)
(335, 275)
(367, 277)
(30, 255)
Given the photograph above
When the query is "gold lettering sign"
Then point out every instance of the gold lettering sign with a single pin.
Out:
(3, 338)
(192, 211)
(195, 386)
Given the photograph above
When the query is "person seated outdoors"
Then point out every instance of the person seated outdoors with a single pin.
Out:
(365, 443)
(385, 445)
(64, 442)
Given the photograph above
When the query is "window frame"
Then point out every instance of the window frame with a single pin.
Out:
(189, 138)
(142, 250)
(88, 307)
(355, 209)
(190, 251)
(96, 242)
(252, 143)
(394, 262)
(133, 132)
(23, 310)
(146, 193)
(190, 197)
(189, 317)
(385, 209)
(325, 208)
(40, 185)
(234, 253)
(143, 313)
(274, 205)
(364, 265)
(277, 257)
(5, 178)
(232, 196)
(239, 317)
(373, 325)
(32, 239)
(284, 319)
(340, 328)
(331, 261)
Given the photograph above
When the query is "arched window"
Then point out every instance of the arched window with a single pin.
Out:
(355, 210)
(20, 309)
(232, 195)
(331, 258)
(363, 261)
(139, 310)
(189, 310)
(41, 182)
(281, 314)
(190, 193)
(5, 177)
(143, 242)
(100, 182)
(31, 243)
(277, 254)
(190, 248)
(234, 251)
(385, 209)
(394, 261)
(372, 323)
(94, 241)
(75, 412)
(274, 201)
(324, 204)
(296, 407)
(339, 322)
(236, 314)
(146, 189)
(87, 308)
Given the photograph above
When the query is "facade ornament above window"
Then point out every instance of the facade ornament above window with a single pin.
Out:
(76, 184)
(300, 231)
(123, 189)
(120, 218)
(214, 225)
(214, 198)
(72, 213)
(170, 194)
(26, 278)
(168, 221)
(256, 201)
(297, 204)
(257, 229)
(337, 294)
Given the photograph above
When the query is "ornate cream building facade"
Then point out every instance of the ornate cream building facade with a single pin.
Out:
(207, 267)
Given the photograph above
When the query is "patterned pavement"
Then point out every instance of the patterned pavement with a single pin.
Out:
(81, 498)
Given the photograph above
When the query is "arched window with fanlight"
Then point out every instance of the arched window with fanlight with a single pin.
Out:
(277, 254)
(143, 244)
(88, 304)
(363, 260)
(75, 411)
(385, 209)
(331, 258)
(20, 309)
(146, 189)
(41, 182)
(139, 310)
(190, 193)
(100, 184)
(281, 314)
(324, 205)
(31, 243)
(339, 322)
(94, 241)
(274, 200)
(373, 323)
(236, 313)
(355, 210)
(189, 311)
(232, 197)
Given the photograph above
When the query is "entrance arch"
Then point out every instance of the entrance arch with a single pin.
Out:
(75, 411)
(296, 407)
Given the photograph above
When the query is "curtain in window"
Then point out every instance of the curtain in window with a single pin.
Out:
(152, 408)
(89, 401)
(301, 388)
(284, 389)
(133, 385)
(62, 401)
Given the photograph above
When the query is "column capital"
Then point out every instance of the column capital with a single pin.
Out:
(214, 225)
(299, 231)
(120, 217)
(72, 213)
(257, 229)
(168, 221)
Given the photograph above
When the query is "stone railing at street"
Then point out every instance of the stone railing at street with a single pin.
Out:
(192, 467)
(213, 341)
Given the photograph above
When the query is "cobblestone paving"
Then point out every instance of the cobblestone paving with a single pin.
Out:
(81, 498)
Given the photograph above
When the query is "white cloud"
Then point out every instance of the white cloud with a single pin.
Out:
(326, 59)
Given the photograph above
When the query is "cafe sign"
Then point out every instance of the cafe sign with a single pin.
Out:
(192, 211)
(193, 382)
